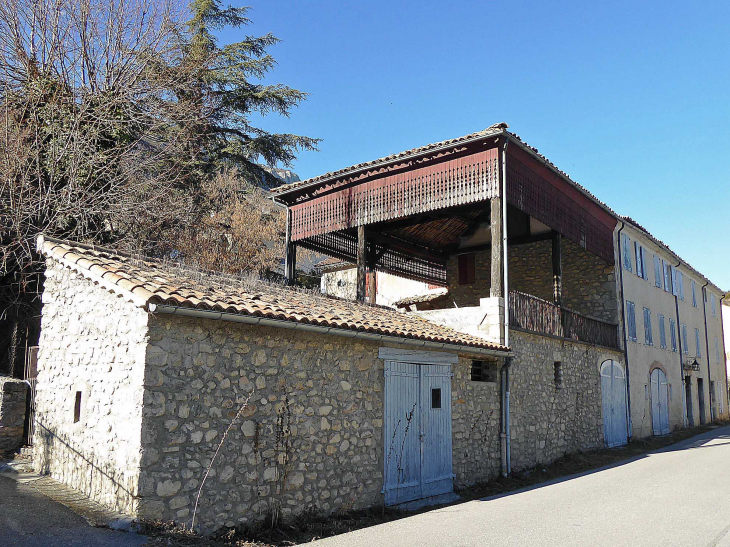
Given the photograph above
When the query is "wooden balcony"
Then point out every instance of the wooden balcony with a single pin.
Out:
(532, 314)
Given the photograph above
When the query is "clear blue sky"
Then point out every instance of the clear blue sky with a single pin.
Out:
(632, 99)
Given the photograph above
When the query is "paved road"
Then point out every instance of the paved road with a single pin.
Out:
(30, 519)
(679, 496)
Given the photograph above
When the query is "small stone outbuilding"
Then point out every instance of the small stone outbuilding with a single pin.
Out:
(335, 405)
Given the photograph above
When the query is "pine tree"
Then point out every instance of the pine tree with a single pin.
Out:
(227, 93)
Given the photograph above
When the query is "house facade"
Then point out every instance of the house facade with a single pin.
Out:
(674, 337)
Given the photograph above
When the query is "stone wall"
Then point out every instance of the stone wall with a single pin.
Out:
(93, 344)
(13, 395)
(310, 437)
(589, 285)
(476, 415)
(549, 421)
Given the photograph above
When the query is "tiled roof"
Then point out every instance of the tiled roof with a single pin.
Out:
(147, 281)
(666, 247)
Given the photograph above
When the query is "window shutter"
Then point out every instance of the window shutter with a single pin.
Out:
(644, 264)
(662, 333)
(714, 308)
(680, 284)
(694, 293)
(685, 343)
(674, 280)
(627, 252)
(667, 277)
(631, 320)
(648, 338)
(673, 334)
(639, 269)
(717, 350)
(698, 348)
(657, 271)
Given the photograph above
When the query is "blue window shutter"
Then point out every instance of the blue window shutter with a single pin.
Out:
(644, 264)
(662, 333)
(685, 343)
(631, 320)
(639, 269)
(648, 337)
(674, 280)
(627, 252)
(657, 271)
(667, 277)
(680, 284)
(694, 293)
(673, 334)
(698, 347)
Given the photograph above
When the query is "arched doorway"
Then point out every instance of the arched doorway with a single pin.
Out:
(615, 416)
(659, 402)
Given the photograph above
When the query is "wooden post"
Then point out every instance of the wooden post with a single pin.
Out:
(371, 285)
(361, 263)
(290, 253)
(557, 269)
(496, 288)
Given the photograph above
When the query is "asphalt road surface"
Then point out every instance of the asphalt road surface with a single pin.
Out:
(30, 519)
(677, 496)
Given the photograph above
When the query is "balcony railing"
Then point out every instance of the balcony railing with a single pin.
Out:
(533, 314)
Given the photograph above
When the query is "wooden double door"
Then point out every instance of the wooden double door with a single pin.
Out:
(659, 402)
(417, 431)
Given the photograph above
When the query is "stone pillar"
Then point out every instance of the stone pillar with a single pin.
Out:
(13, 395)
(361, 264)
(557, 268)
(492, 327)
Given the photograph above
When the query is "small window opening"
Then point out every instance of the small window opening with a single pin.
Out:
(484, 371)
(436, 397)
(77, 407)
(558, 373)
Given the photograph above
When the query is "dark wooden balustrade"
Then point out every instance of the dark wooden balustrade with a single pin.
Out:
(533, 314)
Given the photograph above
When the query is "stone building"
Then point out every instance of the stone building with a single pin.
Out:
(143, 366)
(517, 358)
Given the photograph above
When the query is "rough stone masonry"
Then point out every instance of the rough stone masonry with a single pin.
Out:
(13, 395)
(131, 408)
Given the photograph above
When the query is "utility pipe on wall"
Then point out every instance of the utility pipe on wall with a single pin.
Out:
(623, 324)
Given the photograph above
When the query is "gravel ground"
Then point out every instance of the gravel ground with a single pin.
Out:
(30, 519)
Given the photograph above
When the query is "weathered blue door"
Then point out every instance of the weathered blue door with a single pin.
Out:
(659, 402)
(417, 431)
(615, 418)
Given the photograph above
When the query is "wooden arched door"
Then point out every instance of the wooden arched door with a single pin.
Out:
(659, 402)
(615, 415)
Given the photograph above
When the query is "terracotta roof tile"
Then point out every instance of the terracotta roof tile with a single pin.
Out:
(157, 282)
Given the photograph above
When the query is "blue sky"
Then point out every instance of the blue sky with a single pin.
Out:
(631, 99)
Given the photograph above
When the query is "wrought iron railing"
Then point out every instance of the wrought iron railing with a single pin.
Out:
(533, 314)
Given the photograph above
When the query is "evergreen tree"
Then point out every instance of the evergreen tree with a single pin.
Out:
(226, 98)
